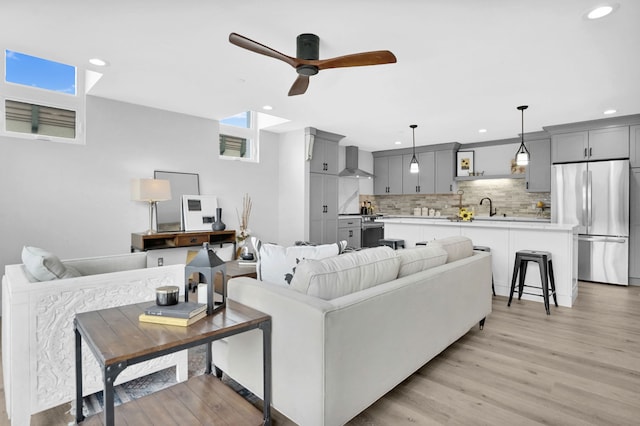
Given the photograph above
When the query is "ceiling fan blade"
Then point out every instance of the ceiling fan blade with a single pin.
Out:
(377, 57)
(254, 46)
(300, 85)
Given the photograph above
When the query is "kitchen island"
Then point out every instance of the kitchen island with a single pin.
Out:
(504, 237)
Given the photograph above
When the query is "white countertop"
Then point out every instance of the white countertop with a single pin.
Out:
(483, 222)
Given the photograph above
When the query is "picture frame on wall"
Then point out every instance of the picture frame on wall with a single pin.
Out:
(464, 163)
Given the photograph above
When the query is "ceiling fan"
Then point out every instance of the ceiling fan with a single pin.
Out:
(307, 62)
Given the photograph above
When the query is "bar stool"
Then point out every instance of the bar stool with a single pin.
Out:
(543, 258)
(391, 242)
(487, 249)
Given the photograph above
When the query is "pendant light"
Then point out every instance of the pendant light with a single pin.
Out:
(522, 156)
(413, 166)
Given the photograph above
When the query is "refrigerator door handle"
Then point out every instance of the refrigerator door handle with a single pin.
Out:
(589, 199)
(584, 199)
(602, 239)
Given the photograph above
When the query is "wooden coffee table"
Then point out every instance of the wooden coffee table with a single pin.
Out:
(117, 340)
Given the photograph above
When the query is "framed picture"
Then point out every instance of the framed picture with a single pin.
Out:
(465, 163)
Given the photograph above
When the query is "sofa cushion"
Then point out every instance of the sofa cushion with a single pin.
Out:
(45, 266)
(277, 264)
(340, 275)
(457, 247)
(420, 258)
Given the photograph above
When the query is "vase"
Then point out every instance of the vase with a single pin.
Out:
(218, 225)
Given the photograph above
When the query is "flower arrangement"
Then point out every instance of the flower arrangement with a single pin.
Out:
(243, 220)
(465, 215)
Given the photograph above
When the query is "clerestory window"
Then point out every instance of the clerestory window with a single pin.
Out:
(42, 98)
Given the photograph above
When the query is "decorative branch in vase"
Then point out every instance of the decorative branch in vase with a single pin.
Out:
(244, 232)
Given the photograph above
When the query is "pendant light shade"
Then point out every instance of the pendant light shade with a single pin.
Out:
(522, 156)
(414, 167)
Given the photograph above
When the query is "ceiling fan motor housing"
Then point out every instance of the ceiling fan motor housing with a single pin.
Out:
(308, 47)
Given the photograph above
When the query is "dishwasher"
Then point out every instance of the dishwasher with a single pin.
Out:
(372, 231)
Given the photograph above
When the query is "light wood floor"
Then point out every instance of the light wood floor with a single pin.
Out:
(578, 366)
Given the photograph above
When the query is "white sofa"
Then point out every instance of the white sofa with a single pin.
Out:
(38, 352)
(333, 358)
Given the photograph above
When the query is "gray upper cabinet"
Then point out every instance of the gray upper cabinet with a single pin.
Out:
(423, 182)
(592, 145)
(325, 157)
(388, 175)
(445, 171)
(634, 146)
(539, 168)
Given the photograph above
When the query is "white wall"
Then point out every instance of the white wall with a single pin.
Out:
(75, 201)
(292, 219)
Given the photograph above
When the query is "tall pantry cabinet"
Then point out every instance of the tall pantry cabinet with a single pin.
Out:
(323, 186)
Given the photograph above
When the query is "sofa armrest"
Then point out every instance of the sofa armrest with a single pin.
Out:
(298, 336)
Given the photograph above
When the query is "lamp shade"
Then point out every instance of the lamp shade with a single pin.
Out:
(150, 190)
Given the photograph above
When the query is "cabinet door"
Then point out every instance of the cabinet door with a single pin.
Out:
(569, 147)
(330, 230)
(325, 157)
(395, 174)
(634, 224)
(445, 171)
(634, 146)
(609, 144)
(316, 207)
(427, 175)
(380, 175)
(539, 168)
(351, 235)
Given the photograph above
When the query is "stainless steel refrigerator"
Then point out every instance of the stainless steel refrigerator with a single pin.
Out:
(595, 196)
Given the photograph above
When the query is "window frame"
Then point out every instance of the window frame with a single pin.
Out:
(250, 134)
(44, 97)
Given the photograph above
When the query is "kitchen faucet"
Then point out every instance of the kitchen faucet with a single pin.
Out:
(492, 212)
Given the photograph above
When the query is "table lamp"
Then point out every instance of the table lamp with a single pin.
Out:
(151, 191)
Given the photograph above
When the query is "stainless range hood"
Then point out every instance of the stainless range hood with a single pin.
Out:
(351, 165)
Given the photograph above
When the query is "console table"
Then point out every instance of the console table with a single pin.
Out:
(117, 340)
(142, 241)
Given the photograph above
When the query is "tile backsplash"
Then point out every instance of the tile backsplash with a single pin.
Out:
(509, 196)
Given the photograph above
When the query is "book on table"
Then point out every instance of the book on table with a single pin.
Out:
(180, 310)
(166, 320)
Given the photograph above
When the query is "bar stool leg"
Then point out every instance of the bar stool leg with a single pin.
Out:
(513, 279)
(553, 283)
(544, 274)
(523, 273)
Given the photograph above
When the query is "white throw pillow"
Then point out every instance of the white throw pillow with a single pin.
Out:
(457, 247)
(418, 259)
(340, 275)
(45, 266)
(277, 264)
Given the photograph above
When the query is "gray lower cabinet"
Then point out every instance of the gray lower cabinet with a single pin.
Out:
(423, 182)
(323, 208)
(445, 171)
(634, 227)
(591, 145)
(350, 231)
(634, 146)
(539, 168)
(388, 175)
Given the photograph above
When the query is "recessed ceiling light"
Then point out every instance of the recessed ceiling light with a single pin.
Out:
(610, 111)
(482, 131)
(601, 11)
(267, 107)
(98, 62)
(398, 143)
